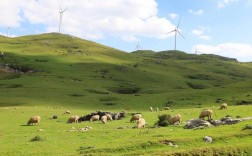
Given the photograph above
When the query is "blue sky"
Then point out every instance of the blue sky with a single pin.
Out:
(212, 26)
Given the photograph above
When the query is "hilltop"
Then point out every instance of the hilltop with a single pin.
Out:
(57, 69)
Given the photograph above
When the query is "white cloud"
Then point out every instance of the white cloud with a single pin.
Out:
(223, 3)
(200, 33)
(92, 19)
(173, 15)
(199, 12)
(242, 52)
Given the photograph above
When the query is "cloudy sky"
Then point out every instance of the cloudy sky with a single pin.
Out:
(220, 27)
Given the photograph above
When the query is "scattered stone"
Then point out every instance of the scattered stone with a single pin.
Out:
(85, 129)
(230, 121)
(40, 130)
(247, 127)
(196, 123)
(208, 139)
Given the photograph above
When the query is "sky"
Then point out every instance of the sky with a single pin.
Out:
(221, 27)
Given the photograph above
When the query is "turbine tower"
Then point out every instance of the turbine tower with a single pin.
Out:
(176, 31)
(8, 31)
(138, 46)
(61, 11)
(197, 51)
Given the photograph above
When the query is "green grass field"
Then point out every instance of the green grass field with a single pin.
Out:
(64, 71)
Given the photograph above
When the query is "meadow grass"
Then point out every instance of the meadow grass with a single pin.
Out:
(60, 138)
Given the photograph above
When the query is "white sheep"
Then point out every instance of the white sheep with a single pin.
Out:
(223, 106)
(94, 118)
(109, 117)
(151, 109)
(206, 113)
(141, 123)
(176, 118)
(135, 117)
(104, 119)
(34, 120)
(73, 119)
(67, 112)
(167, 108)
(157, 109)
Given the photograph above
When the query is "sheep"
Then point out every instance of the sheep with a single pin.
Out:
(94, 118)
(167, 108)
(151, 109)
(73, 119)
(109, 117)
(223, 106)
(67, 112)
(104, 119)
(157, 109)
(34, 120)
(206, 112)
(176, 118)
(135, 117)
(141, 123)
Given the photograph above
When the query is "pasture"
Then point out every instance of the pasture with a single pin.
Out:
(60, 138)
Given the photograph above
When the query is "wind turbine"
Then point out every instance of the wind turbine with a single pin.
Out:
(198, 52)
(8, 31)
(138, 46)
(61, 11)
(176, 30)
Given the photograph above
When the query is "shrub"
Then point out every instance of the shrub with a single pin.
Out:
(163, 120)
(37, 138)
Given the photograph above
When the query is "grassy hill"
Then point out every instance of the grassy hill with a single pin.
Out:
(66, 70)
(49, 73)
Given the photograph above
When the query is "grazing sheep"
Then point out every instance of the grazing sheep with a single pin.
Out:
(135, 117)
(34, 120)
(104, 119)
(167, 108)
(223, 106)
(67, 112)
(206, 113)
(151, 109)
(73, 119)
(176, 118)
(109, 117)
(141, 123)
(157, 109)
(94, 118)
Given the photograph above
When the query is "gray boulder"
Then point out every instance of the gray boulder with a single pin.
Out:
(196, 123)
(207, 139)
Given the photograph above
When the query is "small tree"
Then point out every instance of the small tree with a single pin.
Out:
(163, 120)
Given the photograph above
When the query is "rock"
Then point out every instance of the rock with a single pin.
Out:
(196, 123)
(229, 120)
(207, 139)
(247, 127)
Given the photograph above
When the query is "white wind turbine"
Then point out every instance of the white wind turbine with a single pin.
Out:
(138, 46)
(61, 11)
(197, 51)
(8, 31)
(176, 30)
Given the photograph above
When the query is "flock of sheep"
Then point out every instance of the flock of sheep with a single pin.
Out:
(107, 116)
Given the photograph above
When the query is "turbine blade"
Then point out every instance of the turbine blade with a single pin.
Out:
(180, 34)
(60, 7)
(171, 31)
(65, 9)
(178, 22)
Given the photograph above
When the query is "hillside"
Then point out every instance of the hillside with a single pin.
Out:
(62, 70)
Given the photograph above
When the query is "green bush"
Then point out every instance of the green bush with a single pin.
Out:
(37, 138)
(163, 120)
